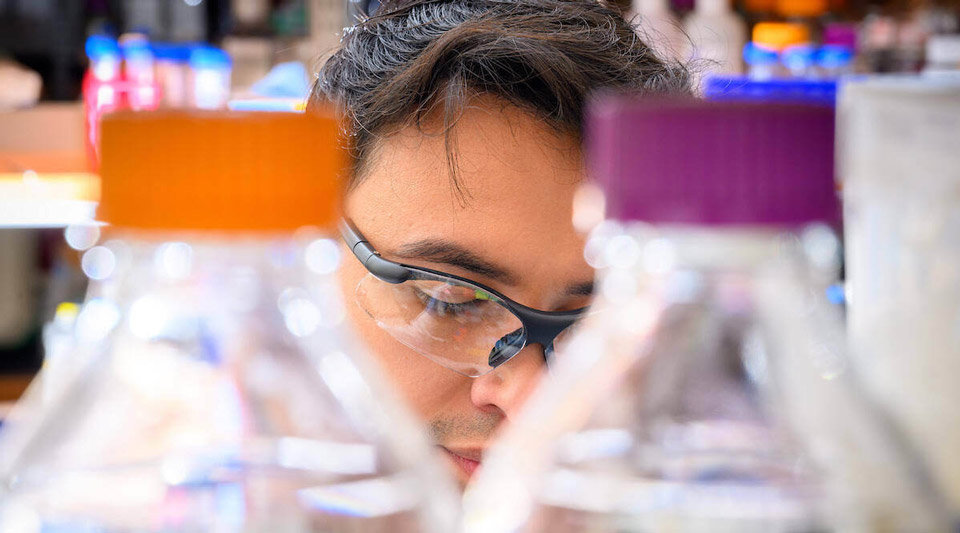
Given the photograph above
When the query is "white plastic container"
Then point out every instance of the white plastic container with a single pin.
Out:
(209, 78)
(718, 35)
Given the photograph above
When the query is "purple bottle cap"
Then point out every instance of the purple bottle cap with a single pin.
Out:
(840, 34)
(713, 163)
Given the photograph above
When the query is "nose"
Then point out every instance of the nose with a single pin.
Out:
(506, 388)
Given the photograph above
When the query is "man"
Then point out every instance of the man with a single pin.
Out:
(465, 119)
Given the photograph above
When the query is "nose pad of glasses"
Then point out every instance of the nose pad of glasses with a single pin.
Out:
(506, 347)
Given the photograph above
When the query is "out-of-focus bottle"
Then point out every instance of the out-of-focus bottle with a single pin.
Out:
(834, 61)
(101, 87)
(717, 35)
(210, 70)
(837, 55)
(943, 55)
(800, 60)
(805, 12)
(762, 63)
(659, 27)
(779, 35)
(708, 390)
(104, 55)
(172, 70)
(139, 73)
(217, 387)
(770, 39)
(899, 159)
(878, 42)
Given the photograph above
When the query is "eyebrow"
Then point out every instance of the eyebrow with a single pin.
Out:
(581, 289)
(448, 253)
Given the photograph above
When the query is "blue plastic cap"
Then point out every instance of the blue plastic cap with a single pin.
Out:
(177, 52)
(101, 46)
(799, 56)
(758, 55)
(136, 50)
(834, 55)
(209, 57)
(742, 88)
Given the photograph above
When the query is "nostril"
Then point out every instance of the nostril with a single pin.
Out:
(505, 348)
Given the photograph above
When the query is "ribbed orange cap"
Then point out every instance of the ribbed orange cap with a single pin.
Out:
(211, 170)
(779, 35)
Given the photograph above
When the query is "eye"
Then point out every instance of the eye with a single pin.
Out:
(446, 299)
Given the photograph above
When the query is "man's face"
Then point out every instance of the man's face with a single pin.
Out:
(511, 231)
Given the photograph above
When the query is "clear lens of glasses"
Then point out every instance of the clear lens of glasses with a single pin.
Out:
(456, 324)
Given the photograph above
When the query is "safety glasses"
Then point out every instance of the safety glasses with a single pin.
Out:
(460, 324)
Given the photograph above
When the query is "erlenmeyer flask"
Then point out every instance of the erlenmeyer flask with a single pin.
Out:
(221, 390)
(708, 390)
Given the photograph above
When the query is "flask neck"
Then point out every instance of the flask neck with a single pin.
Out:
(216, 275)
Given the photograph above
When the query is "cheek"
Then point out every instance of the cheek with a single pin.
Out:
(429, 389)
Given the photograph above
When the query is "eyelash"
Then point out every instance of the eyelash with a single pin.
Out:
(440, 307)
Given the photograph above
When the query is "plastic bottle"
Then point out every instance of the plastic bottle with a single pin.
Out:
(139, 73)
(837, 55)
(834, 61)
(709, 389)
(104, 55)
(800, 60)
(101, 91)
(805, 12)
(222, 389)
(762, 63)
(659, 27)
(779, 35)
(943, 55)
(878, 42)
(209, 77)
(172, 70)
(718, 35)
(770, 39)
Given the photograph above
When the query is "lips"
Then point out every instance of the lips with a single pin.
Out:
(466, 459)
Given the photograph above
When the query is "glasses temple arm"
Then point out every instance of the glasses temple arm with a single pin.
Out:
(381, 268)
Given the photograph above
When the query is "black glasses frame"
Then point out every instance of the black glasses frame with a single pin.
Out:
(539, 327)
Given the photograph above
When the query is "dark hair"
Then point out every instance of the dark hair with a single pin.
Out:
(409, 60)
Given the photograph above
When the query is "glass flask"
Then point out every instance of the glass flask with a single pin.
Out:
(214, 384)
(899, 159)
(708, 390)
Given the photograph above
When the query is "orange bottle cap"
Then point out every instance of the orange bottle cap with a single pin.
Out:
(802, 8)
(779, 35)
(213, 170)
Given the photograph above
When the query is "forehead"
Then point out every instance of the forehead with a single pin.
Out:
(516, 180)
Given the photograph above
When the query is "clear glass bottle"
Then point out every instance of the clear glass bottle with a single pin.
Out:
(709, 389)
(214, 385)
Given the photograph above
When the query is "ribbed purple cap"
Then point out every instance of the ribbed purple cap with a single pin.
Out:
(714, 163)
